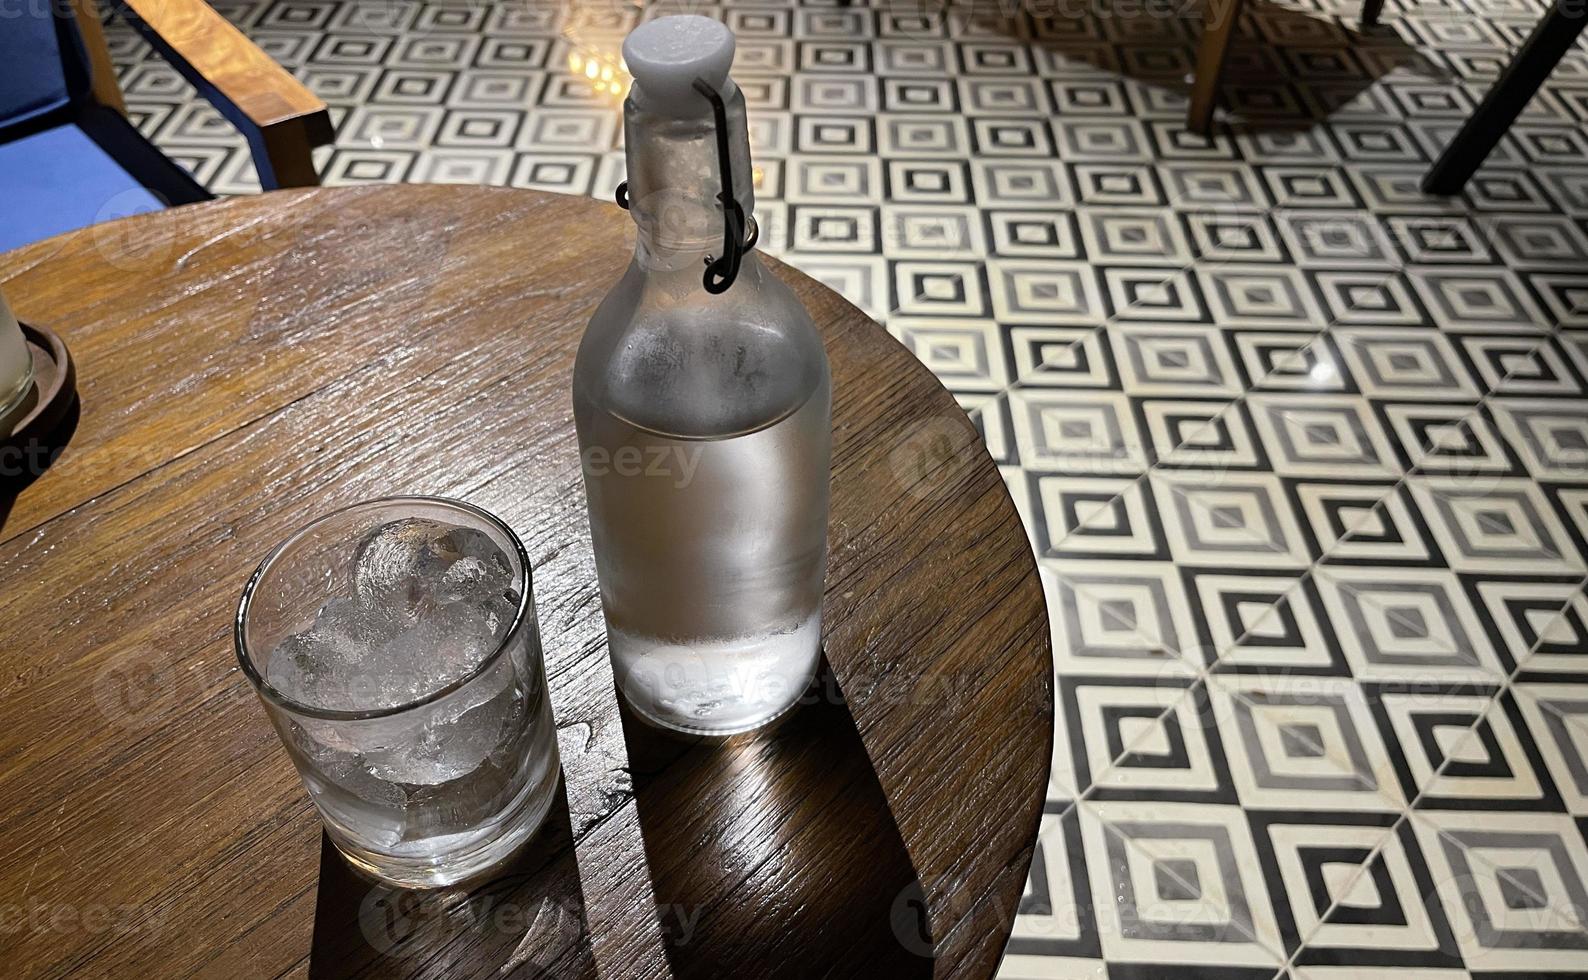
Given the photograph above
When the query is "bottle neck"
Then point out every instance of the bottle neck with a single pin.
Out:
(675, 179)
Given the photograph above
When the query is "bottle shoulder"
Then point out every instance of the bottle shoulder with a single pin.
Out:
(664, 355)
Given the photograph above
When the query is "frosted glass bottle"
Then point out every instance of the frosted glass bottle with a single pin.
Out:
(704, 422)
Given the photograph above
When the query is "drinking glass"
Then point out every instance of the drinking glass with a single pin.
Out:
(16, 367)
(444, 784)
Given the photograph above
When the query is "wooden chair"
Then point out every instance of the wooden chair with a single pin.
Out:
(1219, 18)
(68, 155)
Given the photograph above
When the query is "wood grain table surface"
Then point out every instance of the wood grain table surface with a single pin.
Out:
(245, 365)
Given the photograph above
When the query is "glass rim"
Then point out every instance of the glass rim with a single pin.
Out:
(272, 695)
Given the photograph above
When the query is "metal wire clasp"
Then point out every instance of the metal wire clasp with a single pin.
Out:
(739, 233)
(724, 269)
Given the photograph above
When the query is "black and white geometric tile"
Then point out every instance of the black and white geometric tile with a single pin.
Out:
(1356, 888)
(1515, 886)
(1302, 452)
(1264, 624)
(1312, 739)
(1176, 885)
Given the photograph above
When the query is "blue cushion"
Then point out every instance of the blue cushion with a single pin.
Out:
(60, 180)
(42, 65)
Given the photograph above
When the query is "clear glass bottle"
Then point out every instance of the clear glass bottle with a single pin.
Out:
(704, 422)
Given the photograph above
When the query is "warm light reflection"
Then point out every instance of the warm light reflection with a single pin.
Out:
(604, 70)
(753, 789)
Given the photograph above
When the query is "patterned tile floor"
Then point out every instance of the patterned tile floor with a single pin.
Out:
(1303, 454)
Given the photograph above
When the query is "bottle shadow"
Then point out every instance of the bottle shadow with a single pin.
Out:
(528, 921)
(775, 853)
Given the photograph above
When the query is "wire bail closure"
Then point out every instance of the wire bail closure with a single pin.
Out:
(721, 271)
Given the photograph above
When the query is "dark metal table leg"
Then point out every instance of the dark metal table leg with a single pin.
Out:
(1539, 55)
(1370, 11)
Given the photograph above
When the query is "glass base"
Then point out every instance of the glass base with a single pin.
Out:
(443, 870)
(17, 402)
(715, 685)
(683, 728)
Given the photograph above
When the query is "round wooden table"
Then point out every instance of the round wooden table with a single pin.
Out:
(245, 365)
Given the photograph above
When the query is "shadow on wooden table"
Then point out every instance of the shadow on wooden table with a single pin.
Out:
(775, 854)
(20, 465)
(529, 922)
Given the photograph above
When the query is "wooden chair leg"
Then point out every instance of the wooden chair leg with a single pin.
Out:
(283, 155)
(1218, 27)
(101, 72)
(1370, 11)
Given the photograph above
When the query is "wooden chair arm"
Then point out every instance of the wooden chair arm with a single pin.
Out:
(280, 117)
